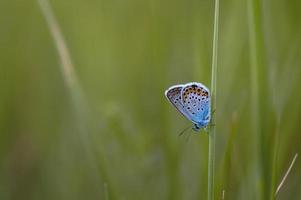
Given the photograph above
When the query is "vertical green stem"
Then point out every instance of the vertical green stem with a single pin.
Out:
(257, 77)
(211, 156)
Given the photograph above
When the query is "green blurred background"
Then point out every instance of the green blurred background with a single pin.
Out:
(112, 134)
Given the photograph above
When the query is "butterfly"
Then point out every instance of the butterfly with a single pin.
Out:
(193, 101)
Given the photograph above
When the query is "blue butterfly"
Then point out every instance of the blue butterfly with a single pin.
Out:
(193, 101)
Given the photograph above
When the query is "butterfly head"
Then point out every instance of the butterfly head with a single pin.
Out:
(196, 128)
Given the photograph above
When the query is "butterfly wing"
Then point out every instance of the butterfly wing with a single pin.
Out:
(173, 95)
(196, 102)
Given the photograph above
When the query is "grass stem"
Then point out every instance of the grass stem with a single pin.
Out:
(211, 156)
(286, 174)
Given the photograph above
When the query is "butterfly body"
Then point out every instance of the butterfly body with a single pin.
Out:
(193, 101)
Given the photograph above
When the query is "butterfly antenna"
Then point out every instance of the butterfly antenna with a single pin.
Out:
(184, 131)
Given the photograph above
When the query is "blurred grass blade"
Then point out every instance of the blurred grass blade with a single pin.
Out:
(211, 153)
(286, 174)
(66, 63)
(223, 195)
(275, 158)
(106, 191)
(257, 76)
(83, 115)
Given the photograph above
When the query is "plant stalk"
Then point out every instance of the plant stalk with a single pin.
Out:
(211, 155)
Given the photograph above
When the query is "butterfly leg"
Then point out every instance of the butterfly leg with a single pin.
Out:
(188, 135)
(182, 132)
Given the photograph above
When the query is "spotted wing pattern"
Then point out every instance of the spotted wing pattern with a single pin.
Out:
(196, 102)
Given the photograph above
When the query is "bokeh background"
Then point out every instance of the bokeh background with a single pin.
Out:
(106, 131)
